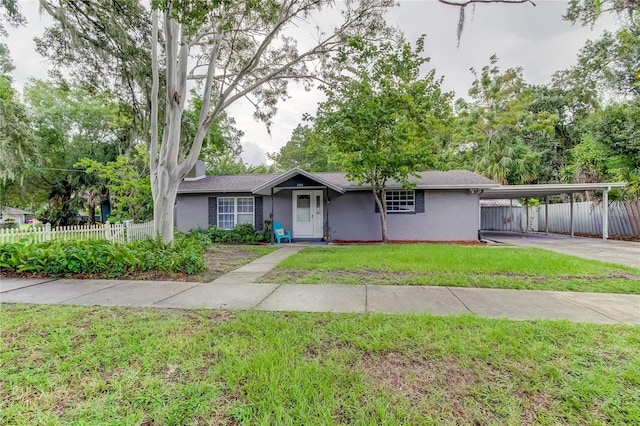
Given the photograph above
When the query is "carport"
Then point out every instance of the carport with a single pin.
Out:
(511, 192)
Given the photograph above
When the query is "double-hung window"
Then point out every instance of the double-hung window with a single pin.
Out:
(233, 211)
(400, 201)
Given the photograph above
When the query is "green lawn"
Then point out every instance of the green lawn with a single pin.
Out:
(124, 366)
(454, 265)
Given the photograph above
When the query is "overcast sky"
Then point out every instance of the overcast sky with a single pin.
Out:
(534, 38)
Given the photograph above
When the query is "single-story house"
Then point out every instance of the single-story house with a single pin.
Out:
(443, 206)
(11, 214)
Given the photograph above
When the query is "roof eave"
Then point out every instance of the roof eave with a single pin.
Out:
(213, 191)
(436, 187)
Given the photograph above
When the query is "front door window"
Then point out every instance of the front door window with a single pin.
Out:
(303, 210)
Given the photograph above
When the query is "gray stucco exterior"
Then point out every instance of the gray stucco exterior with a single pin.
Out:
(447, 205)
(192, 212)
(448, 215)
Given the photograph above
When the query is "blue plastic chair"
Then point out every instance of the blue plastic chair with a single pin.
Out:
(280, 233)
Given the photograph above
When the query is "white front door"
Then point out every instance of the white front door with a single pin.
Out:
(307, 214)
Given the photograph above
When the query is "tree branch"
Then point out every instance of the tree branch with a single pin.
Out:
(154, 95)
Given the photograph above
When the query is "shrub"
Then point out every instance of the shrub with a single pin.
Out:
(103, 258)
(241, 234)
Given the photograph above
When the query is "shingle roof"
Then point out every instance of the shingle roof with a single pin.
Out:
(247, 182)
(431, 179)
(226, 183)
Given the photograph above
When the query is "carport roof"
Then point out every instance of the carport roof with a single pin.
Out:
(526, 191)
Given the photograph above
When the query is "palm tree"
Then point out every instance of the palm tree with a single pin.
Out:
(506, 161)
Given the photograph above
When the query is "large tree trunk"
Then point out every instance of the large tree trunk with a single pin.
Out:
(92, 214)
(165, 189)
(166, 171)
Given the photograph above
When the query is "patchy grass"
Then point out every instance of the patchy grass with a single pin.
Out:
(451, 265)
(221, 259)
(86, 365)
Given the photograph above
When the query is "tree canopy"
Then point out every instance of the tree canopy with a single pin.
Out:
(382, 118)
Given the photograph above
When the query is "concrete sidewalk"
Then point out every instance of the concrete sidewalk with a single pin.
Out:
(493, 303)
(238, 290)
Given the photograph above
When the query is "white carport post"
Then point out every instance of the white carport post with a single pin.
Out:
(605, 213)
(571, 215)
(526, 216)
(511, 213)
(546, 214)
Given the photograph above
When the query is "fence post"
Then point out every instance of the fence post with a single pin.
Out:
(107, 231)
(127, 231)
(47, 232)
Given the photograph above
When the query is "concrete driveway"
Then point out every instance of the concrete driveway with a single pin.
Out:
(612, 251)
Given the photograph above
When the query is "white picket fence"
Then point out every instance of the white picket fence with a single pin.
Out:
(118, 232)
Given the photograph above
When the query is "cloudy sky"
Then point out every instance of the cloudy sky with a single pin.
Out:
(534, 38)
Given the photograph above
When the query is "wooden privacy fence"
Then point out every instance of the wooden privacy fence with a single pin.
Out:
(624, 218)
(118, 232)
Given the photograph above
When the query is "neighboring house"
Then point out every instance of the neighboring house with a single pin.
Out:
(15, 215)
(443, 206)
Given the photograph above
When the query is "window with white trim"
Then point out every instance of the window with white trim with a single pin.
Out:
(400, 201)
(234, 211)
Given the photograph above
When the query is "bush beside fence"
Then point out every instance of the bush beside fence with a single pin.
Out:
(118, 232)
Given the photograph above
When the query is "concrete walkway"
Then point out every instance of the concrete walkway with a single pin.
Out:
(238, 290)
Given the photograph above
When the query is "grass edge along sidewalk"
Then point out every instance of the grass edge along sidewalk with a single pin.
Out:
(452, 265)
(131, 366)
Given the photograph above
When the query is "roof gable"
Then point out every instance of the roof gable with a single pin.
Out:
(287, 177)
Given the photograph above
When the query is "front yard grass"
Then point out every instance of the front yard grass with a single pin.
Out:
(125, 366)
(454, 265)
